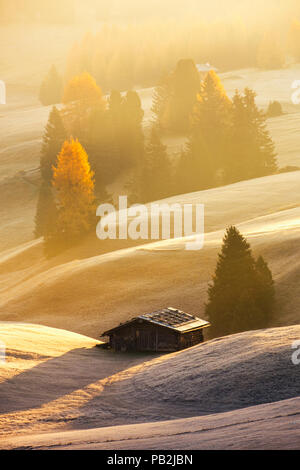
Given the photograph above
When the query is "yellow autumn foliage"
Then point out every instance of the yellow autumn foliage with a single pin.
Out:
(213, 103)
(73, 181)
(81, 95)
(83, 87)
(212, 86)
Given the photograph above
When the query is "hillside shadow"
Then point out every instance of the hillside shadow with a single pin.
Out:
(165, 392)
(62, 375)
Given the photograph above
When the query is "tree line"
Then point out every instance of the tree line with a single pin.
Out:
(227, 141)
(123, 57)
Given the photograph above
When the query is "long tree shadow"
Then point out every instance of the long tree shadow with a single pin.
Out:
(62, 375)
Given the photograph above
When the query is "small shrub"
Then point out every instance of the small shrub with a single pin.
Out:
(274, 109)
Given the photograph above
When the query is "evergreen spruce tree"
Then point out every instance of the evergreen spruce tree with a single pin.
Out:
(115, 106)
(44, 219)
(154, 171)
(102, 147)
(51, 88)
(160, 101)
(274, 109)
(185, 87)
(252, 151)
(132, 135)
(188, 174)
(241, 296)
(204, 160)
(54, 137)
(117, 131)
(265, 291)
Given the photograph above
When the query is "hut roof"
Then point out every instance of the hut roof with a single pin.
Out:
(169, 318)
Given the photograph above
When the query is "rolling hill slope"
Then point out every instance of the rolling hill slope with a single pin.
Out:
(78, 386)
(89, 292)
(265, 427)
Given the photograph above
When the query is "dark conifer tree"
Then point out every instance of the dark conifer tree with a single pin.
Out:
(274, 109)
(54, 137)
(102, 146)
(185, 87)
(115, 106)
(115, 119)
(265, 290)
(132, 135)
(45, 218)
(51, 88)
(202, 164)
(160, 101)
(252, 151)
(154, 179)
(241, 296)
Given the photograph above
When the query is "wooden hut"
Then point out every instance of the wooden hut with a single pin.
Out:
(165, 330)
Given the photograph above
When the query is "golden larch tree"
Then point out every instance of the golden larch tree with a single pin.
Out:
(73, 181)
(83, 88)
(212, 89)
(81, 95)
